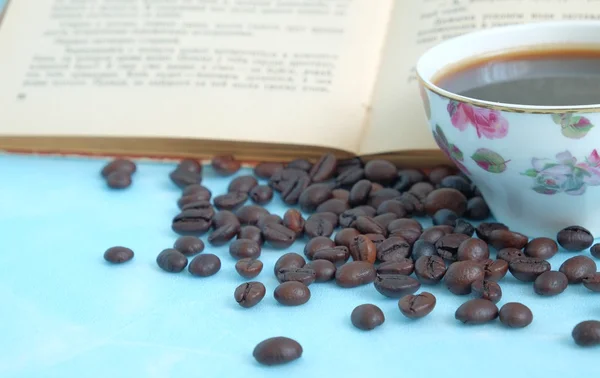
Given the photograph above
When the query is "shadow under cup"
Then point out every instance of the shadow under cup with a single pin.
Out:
(538, 167)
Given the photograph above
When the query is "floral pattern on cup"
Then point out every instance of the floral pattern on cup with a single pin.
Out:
(452, 151)
(489, 160)
(572, 126)
(564, 174)
(488, 123)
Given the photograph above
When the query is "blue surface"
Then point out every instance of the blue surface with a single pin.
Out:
(66, 313)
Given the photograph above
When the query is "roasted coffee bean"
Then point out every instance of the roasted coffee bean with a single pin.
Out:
(190, 165)
(437, 174)
(191, 203)
(445, 198)
(380, 196)
(204, 265)
(251, 233)
(363, 249)
(430, 269)
(345, 236)
(337, 255)
(359, 194)
(463, 227)
(461, 275)
(595, 250)
(477, 209)
(486, 228)
(417, 306)
(347, 219)
(473, 249)
(268, 219)
(230, 201)
(313, 196)
(366, 210)
(189, 245)
(509, 254)
(248, 267)
(384, 220)
(489, 290)
(223, 234)
(550, 283)
(527, 269)
(289, 261)
(183, 178)
(330, 217)
(301, 164)
(403, 266)
(541, 248)
(412, 204)
(192, 221)
(278, 236)
(293, 220)
(266, 169)
(408, 177)
(495, 270)
(392, 206)
(249, 294)
(341, 194)
(118, 255)
(376, 238)
(244, 248)
(292, 293)
(367, 225)
(421, 190)
(304, 275)
(396, 285)
(408, 234)
(476, 311)
(587, 333)
(224, 217)
(423, 248)
(592, 282)
(577, 268)
(315, 244)
(250, 214)
(277, 351)
(225, 165)
(119, 165)
(334, 206)
(445, 217)
(515, 315)
(447, 245)
(197, 190)
(324, 168)
(501, 239)
(284, 178)
(261, 194)
(349, 177)
(345, 164)
(294, 188)
(575, 238)
(324, 270)
(435, 233)
(318, 227)
(381, 171)
(393, 249)
(367, 317)
(355, 273)
(171, 260)
(458, 183)
(118, 180)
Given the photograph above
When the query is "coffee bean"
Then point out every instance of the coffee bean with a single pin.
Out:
(430, 269)
(412, 204)
(189, 245)
(577, 268)
(550, 283)
(301, 164)
(367, 317)
(592, 282)
(381, 171)
(376, 239)
(477, 209)
(249, 294)
(277, 351)
(268, 219)
(278, 236)
(190, 165)
(292, 293)
(248, 267)
(315, 244)
(541, 248)
(324, 270)
(318, 227)
(341, 194)
(380, 196)
(345, 236)
(289, 261)
(403, 266)
(304, 275)
(463, 227)
(225, 217)
(495, 270)
(118, 255)
(408, 177)
(355, 273)
(225, 165)
(204, 265)
(293, 220)
(118, 180)
(515, 315)
(366, 210)
(587, 333)
(223, 234)
(282, 179)
(192, 221)
(435, 233)
(313, 196)
(244, 248)
(359, 194)
(197, 190)
(396, 285)
(393, 249)
(485, 289)
(324, 168)
(477, 311)
(408, 234)
(392, 206)
(192, 202)
(330, 217)
(367, 225)
(363, 249)
(230, 201)
(347, 219)
(458, 183)
(473, 249)
(421, 190)
(375, 187)
(445, 217)
(250, 214)
(595, 250)
(423, 248)
(294, 188)
(337, 255)
(461, 275)
(119, 165)
(527, 269)
(334, 206)
(384, 220)
(575, 238)
(417, 306)
(183, 178)
(437, 174)
(486, 228)
(445, 198)
(171, 260)
(447, 245)
(261, 194)
(501, 239)
(251, 233)
(509, 254)
(345, 164)
(266, 169)
(349, 177)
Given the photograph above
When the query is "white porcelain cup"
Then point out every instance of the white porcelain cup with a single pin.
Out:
(538, 167)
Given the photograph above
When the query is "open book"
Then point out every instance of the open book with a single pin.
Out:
(262, 79)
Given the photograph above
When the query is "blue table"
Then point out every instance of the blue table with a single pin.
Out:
(66, 313)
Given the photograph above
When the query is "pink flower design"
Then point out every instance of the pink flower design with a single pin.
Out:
(488, 122)
(592, 166)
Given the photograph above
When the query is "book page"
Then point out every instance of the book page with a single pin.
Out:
(397, 120)
(271, 71)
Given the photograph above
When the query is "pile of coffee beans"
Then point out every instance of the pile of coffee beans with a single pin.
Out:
(361, 230)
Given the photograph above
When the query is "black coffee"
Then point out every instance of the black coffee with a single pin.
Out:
(551, 76)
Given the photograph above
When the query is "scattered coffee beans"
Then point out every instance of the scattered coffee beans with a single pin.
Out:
(251, 233)
(495, 270)
(292, 293)
(587, 333)
(592, 282)
(417, 306)
(171, 260)
(118, 255)
(267, 169)
(489, 290)
(430, 269)
(277, 351)
(306, 275)
(595, 251)
(324, 270)
(575, 238)
(515, 315)
(225, 165)
(118, 180)
(396, 285)
(119, 165)
(367, 317)
(461, 275)
(404, 267)
(244, 248)
(509, 254)
(577, 268)
(249, 294)
(550, 283)
(204, 265)
(477, 311)
(445, 198)
(473, 249)
(355, 273)
(527, 269)
(289, 261)
(363, 249)
(248, 267)
(541, 248)
(189, 245)
(278, 236)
